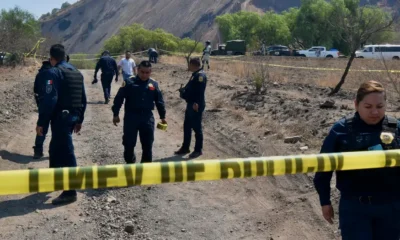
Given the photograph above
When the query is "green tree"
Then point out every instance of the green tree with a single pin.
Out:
(313, 24)
(241, 25)
(20, 30)
(273, 29)
(65, 5)
(290, 17)
(136, 38)
(357, 25)
(54, 11)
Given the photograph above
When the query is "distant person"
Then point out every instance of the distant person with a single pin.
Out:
(194, 95)
(108, 68)
(39, 90)
(128, 66)
(140, 95)
(206, 54)
(369, 206)
(153, 55)
(63, 106)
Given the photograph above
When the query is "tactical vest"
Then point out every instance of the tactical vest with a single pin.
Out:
(71, 89)
(358, 142)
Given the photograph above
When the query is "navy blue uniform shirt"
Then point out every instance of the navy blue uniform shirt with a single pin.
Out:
(40, 81)
(139, 95)
(48, 107)
(381, 182)
(195, 88)
(107, 65)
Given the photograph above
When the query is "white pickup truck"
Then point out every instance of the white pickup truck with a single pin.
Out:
(318, 52)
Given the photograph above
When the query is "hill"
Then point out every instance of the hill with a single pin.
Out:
(85, 26)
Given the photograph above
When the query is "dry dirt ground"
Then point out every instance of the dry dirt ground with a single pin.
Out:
(237, 123)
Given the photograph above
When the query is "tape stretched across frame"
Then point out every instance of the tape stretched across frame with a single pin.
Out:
(95, 177)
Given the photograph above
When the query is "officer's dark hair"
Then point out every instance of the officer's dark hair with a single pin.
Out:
(145, 64)
(195, 62)
(369, 87)
(127, 51)
(57, 51)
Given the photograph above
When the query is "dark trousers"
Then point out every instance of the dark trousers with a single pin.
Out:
(153, 58)
(363, 221)
(61, 152)
(142, 123)
(39, 141)
(106, 80)
(193, 122)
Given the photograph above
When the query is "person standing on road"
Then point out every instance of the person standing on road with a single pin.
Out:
(140, 95)
(128, 66)
(108, 68)
(369, 205)
(194, 95)
(206, 54)
(39, 91)
(63, 106)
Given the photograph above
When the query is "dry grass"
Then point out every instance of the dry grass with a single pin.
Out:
(174, 60)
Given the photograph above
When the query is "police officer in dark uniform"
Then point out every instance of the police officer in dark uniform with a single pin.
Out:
(153, 55)
(194, 95)
(140, 93)
(63, 105)
(369, 207)
(108, 68)
(39, 91)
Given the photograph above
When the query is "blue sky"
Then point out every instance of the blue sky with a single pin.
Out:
(37, 7)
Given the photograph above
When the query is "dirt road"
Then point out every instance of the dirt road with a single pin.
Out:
(262, 208)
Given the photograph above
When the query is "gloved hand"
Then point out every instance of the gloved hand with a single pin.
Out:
(95, 81)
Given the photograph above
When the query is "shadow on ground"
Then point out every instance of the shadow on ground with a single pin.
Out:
(26, 205)
(19, 158)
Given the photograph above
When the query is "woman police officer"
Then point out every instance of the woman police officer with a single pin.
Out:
(369, 207)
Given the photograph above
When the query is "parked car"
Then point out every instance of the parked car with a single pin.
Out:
(278, 50)
(318, 51)
(386, 52)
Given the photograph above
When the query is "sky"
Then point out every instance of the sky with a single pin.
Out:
(37, 7)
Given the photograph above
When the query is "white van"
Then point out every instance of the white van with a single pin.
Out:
(386, 52)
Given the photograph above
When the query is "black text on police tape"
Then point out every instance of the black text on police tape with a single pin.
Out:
(78, 176)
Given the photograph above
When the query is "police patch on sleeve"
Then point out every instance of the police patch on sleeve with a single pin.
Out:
(201, 79)
(49, 86)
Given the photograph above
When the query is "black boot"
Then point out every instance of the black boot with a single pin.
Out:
(37, 153)
(65, 198)
(106, 101)
(195, 154)
(182, 151)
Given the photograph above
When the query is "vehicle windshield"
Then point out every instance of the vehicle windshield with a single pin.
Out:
(367, 49)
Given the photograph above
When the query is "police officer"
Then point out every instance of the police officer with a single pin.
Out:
(153, 55)
(194, 95)
(141, 93)
(207, 54)
(108, 68)
(39, 91)
(369, 205)
(63, 105)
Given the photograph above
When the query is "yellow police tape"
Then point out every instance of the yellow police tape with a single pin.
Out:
(94, 177)
(307, 68)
